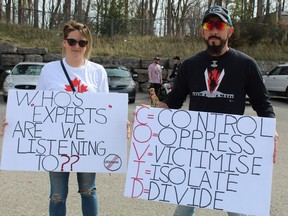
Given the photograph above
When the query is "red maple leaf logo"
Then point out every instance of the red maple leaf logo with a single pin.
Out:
(77, 84)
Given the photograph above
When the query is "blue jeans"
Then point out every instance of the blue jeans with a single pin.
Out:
(190, 211)
(59, 192)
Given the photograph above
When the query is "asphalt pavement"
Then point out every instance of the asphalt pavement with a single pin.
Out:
(27, 193)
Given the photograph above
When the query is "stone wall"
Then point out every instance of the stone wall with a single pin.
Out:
(13, 54)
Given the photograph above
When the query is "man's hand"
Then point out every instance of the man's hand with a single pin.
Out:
(162, 105)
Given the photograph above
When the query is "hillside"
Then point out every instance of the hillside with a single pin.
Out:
(137, 46)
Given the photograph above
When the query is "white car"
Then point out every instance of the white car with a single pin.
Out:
(276, 81)
(24, 75)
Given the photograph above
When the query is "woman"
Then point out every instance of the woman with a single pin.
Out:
(85, 76)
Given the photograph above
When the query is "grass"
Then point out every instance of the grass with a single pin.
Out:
(146, 46)
(132, 46)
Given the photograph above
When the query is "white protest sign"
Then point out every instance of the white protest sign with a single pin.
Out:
(206, 160)
(69, 132)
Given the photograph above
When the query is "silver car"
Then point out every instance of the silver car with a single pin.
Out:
(24, 75)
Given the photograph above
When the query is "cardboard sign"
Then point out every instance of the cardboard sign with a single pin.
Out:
(206, 160)
(65, 132)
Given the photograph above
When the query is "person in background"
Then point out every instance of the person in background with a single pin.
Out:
(217, 80)
(176, 66)
(1, 64)
(85, 76)
(155, 75)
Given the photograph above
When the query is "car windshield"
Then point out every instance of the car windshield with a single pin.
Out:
(117, 72)
(27, 69)
(279, 70)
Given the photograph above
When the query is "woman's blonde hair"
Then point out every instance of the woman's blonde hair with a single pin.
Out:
(84, 30)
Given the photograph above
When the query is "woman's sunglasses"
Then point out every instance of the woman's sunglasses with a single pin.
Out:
(73, 42)
(218, 25)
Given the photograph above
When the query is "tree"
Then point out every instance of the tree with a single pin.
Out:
(259, 10)
(78, 13)
(8, 11)
(43, 13)
(169, 17)
(218, 2)
(20, 11)
(1, 12)
(86, 17)
(54, 14)
(36, 15)
(267, 8)
(67, 10)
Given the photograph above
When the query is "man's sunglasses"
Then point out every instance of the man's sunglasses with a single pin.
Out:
(218, 25)
(73, 42)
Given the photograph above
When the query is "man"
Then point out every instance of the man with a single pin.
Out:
(155, 75)
(177, 64)
(218, 79)
(1, 65)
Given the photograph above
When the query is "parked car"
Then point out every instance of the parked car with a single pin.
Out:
(121, 80)
(276, 81)
(24, 75)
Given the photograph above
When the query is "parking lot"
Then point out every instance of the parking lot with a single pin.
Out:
(26, 193)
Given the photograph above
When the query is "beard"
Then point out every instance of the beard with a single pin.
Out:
(214, 49)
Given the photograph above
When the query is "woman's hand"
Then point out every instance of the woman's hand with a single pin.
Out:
(4, 124)
(128, 129)
(276, 138)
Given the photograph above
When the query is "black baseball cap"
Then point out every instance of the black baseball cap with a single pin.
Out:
(177, 57)
(220, 12)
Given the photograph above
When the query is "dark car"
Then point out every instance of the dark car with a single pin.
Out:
(121, 80)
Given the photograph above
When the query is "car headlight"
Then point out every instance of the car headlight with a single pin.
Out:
(131, 85)
(7, 85)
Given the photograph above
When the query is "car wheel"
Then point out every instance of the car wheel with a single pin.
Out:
(132, 100)
(5, 98)
(286, 94)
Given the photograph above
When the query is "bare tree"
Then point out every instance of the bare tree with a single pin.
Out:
(20, 11)
(227, 2)
(251, 7)
(278, 10)
(209, 3)
(36, 14)
(126, 9)
(14, 11)
(28, 8)
(152, 11)
(88, 6)
(267, 8)
(259, 13)
(43, 13)
(8, 11)
(218, 2)
(1, 11)
(24, 11)
(169, 16)
(80, 11)
(54, 13)
(67, 10)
